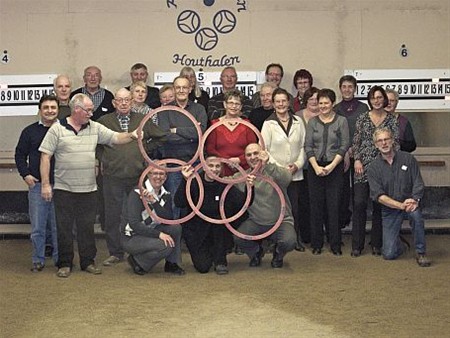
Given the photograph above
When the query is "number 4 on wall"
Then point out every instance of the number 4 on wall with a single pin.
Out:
(5, 57)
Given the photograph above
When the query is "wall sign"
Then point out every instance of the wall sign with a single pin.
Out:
(210, 81)
(20, 94)
(206, 30)
(419, 89)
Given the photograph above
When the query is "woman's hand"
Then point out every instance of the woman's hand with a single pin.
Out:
(359, 168)
(292, 168)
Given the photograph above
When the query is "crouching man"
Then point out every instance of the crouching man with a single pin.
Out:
(265, 210)
(396, 183)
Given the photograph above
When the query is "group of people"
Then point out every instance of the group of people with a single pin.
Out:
(82, 158)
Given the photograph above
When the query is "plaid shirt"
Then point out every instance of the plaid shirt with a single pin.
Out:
(97, 97)
(124, 121)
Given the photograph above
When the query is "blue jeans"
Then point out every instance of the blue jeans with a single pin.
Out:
(41, 212)
(392, 223)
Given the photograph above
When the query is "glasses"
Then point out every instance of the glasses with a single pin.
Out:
(122, 100)
(233, 104)
(382, 140)
(89, 111)
(157, 174)
(181, 89)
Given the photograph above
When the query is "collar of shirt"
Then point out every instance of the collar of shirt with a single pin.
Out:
(150, 189)
(42, 124)
(65, 124)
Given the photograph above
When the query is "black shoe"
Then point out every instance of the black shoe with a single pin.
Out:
(135, 266)
(173, 268)
(376, 251)
(48, 251)
(37, 267)
(317, 251)
(337, 252)
(300, 247)
(256, 260)
(355, 253)
(238, 250)
(277, 260)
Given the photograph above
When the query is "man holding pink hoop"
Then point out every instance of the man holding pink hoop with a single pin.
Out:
(266, 209)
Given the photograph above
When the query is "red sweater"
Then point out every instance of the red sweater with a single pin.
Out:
(225, 143)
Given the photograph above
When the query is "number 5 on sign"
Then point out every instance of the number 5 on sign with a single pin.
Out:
(5, 57)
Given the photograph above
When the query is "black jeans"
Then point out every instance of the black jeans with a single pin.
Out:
(361, 196)
(79, 208)
(324, 196)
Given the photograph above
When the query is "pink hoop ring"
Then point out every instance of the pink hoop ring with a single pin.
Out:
(151, 212)
(147, 117)
(227, 188)
(202, 148)
(271, 230)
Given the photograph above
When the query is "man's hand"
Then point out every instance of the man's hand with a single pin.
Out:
(410, 205)
(251, 180)
(168, 241)
(46, 192)
(30, 180)
(264, 157)
(236, 161)
(148, 196)
(187, 171)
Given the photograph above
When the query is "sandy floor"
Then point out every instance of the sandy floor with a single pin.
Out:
(312, 296)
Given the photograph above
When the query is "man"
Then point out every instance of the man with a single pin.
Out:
(121, 166)
(274, 74)
(146, 240)
(139, 72)
(405, 131)
(350, 108)
(101, 97)
(216, 108)
(396, 183)
(102, 100)
(72, 142)
(265, 210)
(182, 139)
(62, 88)
(258, 115)
(207, 242)
(28, 157)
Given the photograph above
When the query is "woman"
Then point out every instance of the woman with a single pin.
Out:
(146, 240)
(284, 137)
(230, 139)
(138, 92)
(303, 80)
(166, 94)
(327, 140)
(197, 94)
(364, 152)
(304, 221)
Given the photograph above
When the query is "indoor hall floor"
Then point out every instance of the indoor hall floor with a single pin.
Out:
(311, 296)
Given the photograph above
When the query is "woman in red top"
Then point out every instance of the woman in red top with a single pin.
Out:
(230, 139)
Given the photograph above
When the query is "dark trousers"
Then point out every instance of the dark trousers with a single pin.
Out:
(115, 191)
(345, 215)
(207, 244)
(294, 192)
(324, 196)
(304, 214)
(79, 208)
(149, 251)
(361, 196)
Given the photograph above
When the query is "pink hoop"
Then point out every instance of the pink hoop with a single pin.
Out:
(229, 180)
(151, 212)
(275, 226)
(147, 117)
(227, 188)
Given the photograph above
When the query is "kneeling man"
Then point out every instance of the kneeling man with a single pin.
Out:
(395, 182)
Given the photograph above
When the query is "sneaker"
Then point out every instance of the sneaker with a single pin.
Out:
(91, 268)
(423, 261)
(173, 268)
(221, 269)
(63, 272)
(37, 267)
(111, 260)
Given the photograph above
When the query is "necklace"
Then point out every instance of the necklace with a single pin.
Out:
(285, 120)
